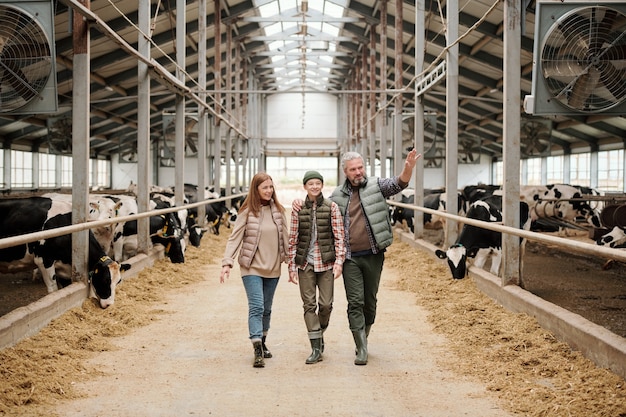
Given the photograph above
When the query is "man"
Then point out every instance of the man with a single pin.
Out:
(368, 233)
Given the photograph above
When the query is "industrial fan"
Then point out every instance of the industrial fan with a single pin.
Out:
(469, 150)
(169, 138)
(535, 137)
(60, 135)
(579, 59)
(27, 58)
(433, 145)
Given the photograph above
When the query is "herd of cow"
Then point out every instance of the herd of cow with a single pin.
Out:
(554, 207)
(109, 245)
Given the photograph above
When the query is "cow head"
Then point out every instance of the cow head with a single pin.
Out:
(171, 237)
(457, 259)
(104, 277)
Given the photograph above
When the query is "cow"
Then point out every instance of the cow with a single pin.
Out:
(433, 199)
(34, 214)
(478, 243)
(214, 211)
(165, 229)
(616, 238)
(99, 209)
(558, 202)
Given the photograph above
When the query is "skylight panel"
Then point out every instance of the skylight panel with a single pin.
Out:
(269, 9)
(333, 10)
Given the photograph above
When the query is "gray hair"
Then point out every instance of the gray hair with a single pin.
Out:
(349, 156)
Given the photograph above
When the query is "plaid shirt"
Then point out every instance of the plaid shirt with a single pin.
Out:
(338, 234)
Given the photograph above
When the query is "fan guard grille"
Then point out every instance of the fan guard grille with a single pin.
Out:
(583, 59)
(26, 59)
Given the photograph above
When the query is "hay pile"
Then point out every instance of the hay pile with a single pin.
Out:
(532, 372)
(43, 369)
(535, 374)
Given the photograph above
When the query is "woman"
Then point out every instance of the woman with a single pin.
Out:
(260, 236)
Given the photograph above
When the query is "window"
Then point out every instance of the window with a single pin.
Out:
(580, 169)
(611, 170)
(102, 174)
(47, 170)
(498, 173)
(555, 169)
(533, 171)
(66, 171)
(21, 169)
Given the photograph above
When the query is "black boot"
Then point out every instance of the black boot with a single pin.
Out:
(316, 351)
(266, 351)
(361, 347)
(322, 342)
(367, 330)
(258, 355)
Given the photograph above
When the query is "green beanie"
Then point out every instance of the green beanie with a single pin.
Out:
(311, 175)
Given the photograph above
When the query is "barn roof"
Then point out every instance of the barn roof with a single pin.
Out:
(321, 49)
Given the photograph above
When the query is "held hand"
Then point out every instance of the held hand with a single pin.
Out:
(293, 277)
(296, 205)
(337, 269)
(225, 273)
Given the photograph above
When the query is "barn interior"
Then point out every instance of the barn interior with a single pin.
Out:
(235, 55)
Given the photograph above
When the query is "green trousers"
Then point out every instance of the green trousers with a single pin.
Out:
(361, 277)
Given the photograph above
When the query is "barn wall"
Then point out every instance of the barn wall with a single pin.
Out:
(285, 114)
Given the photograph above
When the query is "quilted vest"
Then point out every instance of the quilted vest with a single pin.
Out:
(374, 205)
(325, 238)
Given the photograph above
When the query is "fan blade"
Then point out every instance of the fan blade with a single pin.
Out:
(583, 87)
(602, 30)
(613, 79)
(562, 68)
(578, 37)
(191, 145)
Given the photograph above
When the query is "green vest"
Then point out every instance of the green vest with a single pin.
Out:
(374, 205)
(325, 239)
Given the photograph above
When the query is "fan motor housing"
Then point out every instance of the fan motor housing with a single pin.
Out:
(556, 82)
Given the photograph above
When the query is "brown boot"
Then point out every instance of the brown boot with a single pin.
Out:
(258, 355)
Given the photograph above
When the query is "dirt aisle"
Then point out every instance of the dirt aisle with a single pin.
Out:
(197, 361)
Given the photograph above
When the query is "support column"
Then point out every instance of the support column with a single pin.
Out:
(144, 164)
(511, 134)
(452, 119)
(202, 111)
(80, 142)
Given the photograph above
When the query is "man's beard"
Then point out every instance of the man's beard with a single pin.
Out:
(358, 181)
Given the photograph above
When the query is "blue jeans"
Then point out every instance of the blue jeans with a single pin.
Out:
(260, 292)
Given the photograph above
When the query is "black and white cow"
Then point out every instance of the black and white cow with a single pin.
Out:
(616, 238)
(215, 211)
(554, 201)
(433, 199)
(165, 230)
(478, 243)
(34, 214)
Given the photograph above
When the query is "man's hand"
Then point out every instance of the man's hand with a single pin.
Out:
(296, 205)
(293, 277)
